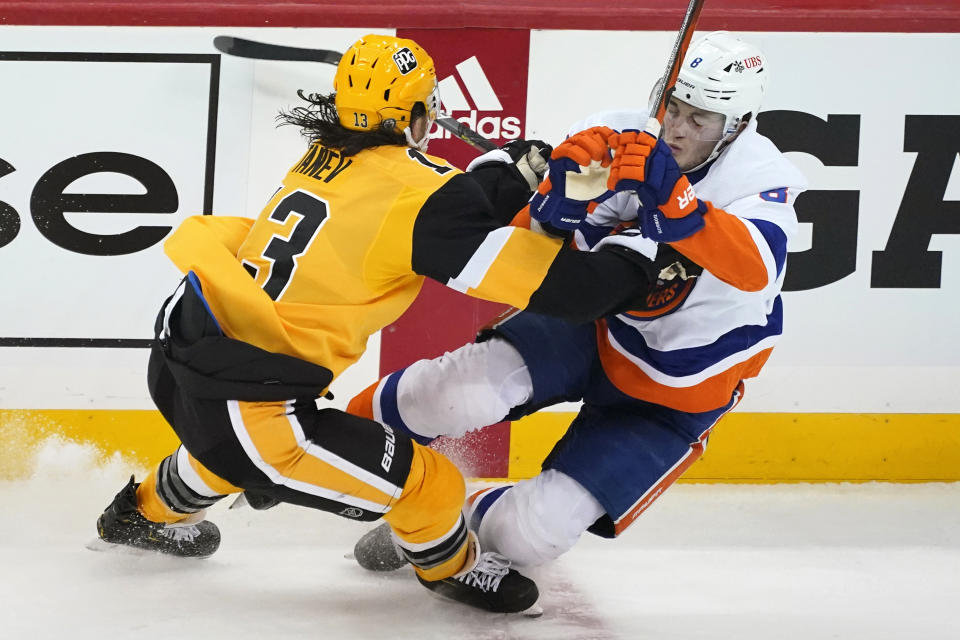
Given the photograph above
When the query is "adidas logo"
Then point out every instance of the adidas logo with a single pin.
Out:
(484, 100)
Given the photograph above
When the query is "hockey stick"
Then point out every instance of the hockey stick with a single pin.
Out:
(465, 133)
(243, 48)
(665, 87)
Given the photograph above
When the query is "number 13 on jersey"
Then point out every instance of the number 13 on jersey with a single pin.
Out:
(281, 252)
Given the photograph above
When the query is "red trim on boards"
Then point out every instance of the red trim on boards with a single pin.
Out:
(919, 16)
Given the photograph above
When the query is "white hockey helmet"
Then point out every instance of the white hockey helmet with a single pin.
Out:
(724, 74)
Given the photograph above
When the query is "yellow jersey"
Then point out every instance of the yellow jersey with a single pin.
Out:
(342, 247)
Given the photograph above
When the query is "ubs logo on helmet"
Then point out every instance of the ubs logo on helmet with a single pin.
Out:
(406, 61)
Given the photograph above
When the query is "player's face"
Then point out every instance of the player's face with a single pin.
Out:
(691, 133)
(418, 128)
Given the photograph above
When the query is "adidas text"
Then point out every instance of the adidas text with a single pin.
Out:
(494, 127)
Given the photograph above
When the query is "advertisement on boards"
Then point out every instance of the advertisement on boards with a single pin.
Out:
(104, 152)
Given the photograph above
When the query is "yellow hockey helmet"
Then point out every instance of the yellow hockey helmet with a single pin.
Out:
(379, 79)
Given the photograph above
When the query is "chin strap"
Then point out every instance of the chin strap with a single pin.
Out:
(717, 150)
(722, 144)
(420, 144)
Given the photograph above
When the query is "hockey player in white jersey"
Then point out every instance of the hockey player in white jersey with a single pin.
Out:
(655, 378)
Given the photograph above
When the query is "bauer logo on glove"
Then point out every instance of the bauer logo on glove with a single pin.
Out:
(685, 198)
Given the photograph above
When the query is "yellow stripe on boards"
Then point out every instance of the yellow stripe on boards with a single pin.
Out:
(144, 437)
(532, 438)
(791, 447)
(745, 447)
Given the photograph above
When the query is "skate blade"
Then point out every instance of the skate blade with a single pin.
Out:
(533, 611)
(102, 546)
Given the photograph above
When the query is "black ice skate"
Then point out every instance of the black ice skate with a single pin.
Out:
(491, 585)
(376, 550)
(121, 523)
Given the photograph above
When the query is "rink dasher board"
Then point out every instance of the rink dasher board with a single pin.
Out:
(857, 354)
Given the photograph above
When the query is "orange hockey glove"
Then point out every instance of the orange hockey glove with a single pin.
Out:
(576, 181)
(669, 208)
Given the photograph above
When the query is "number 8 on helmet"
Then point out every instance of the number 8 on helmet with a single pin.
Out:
(726, 75)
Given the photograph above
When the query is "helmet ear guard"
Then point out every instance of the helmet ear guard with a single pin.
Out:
(379, 80)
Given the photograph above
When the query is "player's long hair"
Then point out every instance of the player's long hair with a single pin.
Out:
(319, 122)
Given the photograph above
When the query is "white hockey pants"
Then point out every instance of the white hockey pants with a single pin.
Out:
(534, 521)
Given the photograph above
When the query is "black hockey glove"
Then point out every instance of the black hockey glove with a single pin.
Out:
(530, 157)
(667, 263)
(509, 175)
(670, 274)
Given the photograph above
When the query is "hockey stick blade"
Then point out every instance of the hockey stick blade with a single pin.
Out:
(243, 48)
(465, 133)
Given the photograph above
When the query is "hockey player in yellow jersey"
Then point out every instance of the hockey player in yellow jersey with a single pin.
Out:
(271, 310)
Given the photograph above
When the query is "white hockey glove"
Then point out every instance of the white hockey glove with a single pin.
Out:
(529, 156)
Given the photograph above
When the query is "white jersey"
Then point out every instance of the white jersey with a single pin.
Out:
(690, 348)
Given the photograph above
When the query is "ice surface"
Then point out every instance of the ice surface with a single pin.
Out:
(871, 562)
